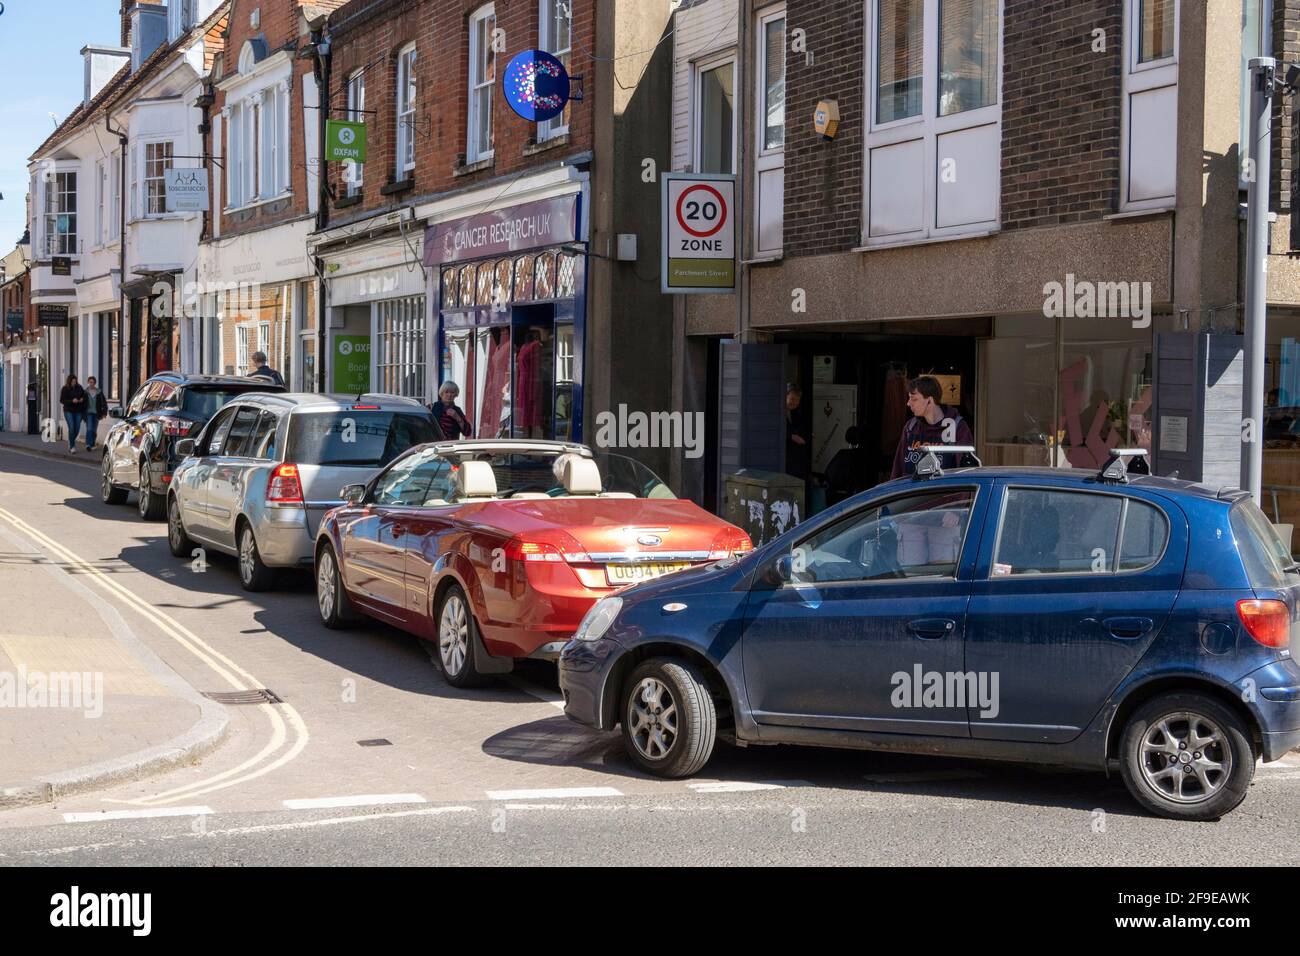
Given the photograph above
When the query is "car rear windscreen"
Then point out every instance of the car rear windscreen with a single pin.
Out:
(1262, 552)
(203, 403)
(355, 438)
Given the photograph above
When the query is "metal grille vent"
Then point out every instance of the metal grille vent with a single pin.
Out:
(262, 695)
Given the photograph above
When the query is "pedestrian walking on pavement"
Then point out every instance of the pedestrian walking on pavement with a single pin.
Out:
(73, 400)
(96, 408)
(265, 371)
(450, 416)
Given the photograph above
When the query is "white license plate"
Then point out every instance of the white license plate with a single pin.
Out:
(620, 574)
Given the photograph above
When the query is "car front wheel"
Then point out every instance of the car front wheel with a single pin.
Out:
(335, 607)
(177, 540)
(1186, 756)
(109, 493)
(669, 718)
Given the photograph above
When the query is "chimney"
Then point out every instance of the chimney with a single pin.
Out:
(102, 64)
(148, 31)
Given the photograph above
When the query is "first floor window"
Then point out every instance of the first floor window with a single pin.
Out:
(900, 37)
(354, 173)
(61, 214)
(399, 347)
(482, 81)
(406, 112)
(157, 160)
(555, 36)
(773, 67)
(715, 128)
(1157, 30)
(968, 55)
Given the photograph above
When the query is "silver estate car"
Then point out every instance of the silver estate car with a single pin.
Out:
(264, 471)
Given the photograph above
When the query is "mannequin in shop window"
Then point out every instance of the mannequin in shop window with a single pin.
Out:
(531, 365)
(798, 452)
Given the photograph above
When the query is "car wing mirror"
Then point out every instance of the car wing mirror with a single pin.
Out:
(353, 495)
(115, 412)
(781, 571)
(185, 448)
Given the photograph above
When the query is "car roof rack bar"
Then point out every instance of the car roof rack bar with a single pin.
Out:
(1116, 467)
(931, 464)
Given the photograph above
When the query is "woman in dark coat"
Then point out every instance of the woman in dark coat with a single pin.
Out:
(73, 400)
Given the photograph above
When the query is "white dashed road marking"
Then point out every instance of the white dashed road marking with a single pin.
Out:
(361, 800)
(96, 816)
(558, 793)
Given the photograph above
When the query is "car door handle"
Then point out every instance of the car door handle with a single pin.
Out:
(1127, 628)
(931, 629)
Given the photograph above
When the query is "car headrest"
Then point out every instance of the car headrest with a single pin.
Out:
(581, 477)
(476, 480)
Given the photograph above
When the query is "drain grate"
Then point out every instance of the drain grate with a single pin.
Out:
(262, 695)
(376, 742)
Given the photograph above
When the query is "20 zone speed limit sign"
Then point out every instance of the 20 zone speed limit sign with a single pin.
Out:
(699, 215)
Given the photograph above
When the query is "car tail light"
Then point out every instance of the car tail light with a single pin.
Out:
(284, 484)
(177, 427)
(728, 544)
(365, 408)
(1268, 622)
(546, 546)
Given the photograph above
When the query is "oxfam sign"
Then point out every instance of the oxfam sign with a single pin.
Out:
(351, 364)
(345, 141)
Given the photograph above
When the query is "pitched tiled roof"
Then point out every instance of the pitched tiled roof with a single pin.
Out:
(124, 81)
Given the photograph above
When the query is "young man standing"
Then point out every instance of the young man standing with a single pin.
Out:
(933, 424)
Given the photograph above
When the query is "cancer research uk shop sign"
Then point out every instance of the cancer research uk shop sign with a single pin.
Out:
(699, 234)
(546, 222)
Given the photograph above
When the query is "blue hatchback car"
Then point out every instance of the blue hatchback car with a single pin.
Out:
(1042, 615)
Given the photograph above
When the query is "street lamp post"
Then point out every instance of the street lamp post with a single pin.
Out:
(1263, 76)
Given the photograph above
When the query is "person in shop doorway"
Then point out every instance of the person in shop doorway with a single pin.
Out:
(73, 400)
(846, 473)
(933, 423)
(96, 408)
(450, 416)
(262, 370)
(798, 451)
(33, 410)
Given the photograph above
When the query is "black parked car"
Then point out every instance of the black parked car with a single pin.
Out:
(139, 450)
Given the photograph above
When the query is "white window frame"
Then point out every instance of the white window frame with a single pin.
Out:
(180, 17)
(766, 160)
(101, 199)
(115, 194)
(699, 68)
(399, 355)
(927, 126)
(354, 174)
(1142, 78)
(258, 140)
(50, 212)
(404, 110)
(473, 125)
(555, 127)
(147, 209)
(241, 349)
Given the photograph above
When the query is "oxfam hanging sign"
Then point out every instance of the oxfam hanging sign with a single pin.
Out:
(345, 141)
(536, 85)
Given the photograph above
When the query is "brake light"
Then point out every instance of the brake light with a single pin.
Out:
(1268, 622)
(365, 408)
(177, 427)
(729, 543)
(284, 485)
(546, 546)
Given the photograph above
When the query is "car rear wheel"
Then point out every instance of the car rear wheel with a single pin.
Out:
(150, 504)
(109, 493)
(253, 574)
(457, 639)
(335, 607)
(177, 540)
(670, 720)
(1187, 756)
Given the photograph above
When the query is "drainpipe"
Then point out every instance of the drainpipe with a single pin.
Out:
(321, 69)
(123, 336)
(204, 102)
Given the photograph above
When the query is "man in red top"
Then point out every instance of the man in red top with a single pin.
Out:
(933, 424)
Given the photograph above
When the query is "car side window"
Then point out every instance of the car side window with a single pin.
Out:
(216, 440)
(918, 535)
(262, 443)
(1077, 532)
(138, 400)
(421, 480)
(168, 396)
(239, 443)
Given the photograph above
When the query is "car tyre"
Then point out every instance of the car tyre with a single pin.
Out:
(669, 718)
(150, 505)
(336, 611)
(458, 638)
(178, 542)
(109, 493)
(1187, 756)
(253, 574)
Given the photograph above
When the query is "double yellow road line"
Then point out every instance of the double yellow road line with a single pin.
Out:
(234, 675)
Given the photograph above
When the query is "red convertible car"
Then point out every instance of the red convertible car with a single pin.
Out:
(496, 549)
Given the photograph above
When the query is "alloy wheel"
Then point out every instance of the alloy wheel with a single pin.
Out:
(105, 478)
(325, 584)
(174, 528)
(453, 635)
(145, 493)
(1186, 757)
(652, 719)
(247, 555)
